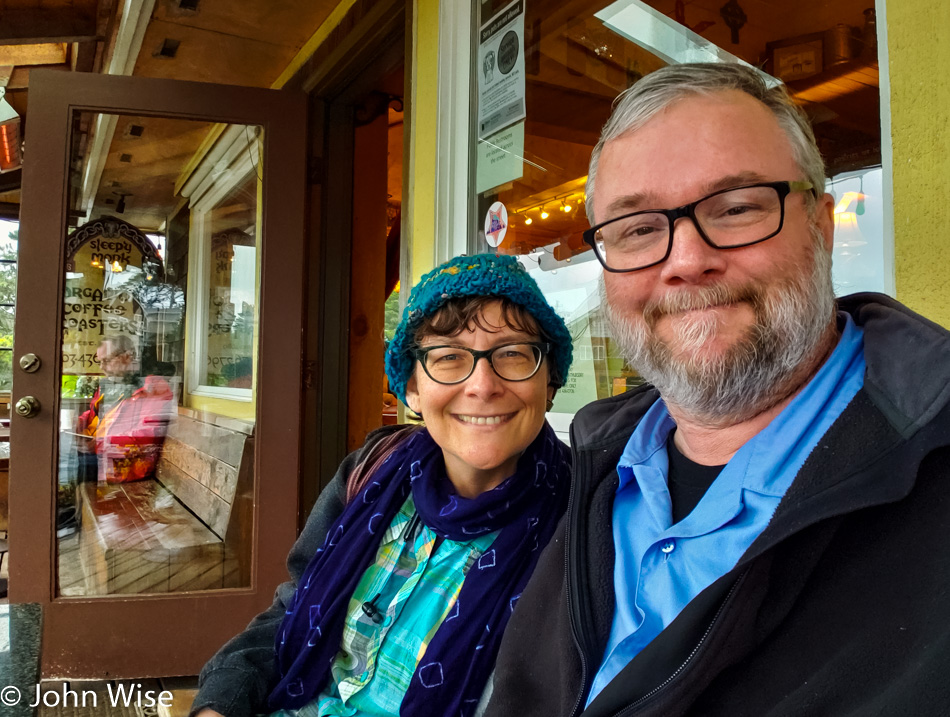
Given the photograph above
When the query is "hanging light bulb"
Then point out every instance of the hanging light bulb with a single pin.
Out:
(566, 206)
(527, 219)
(544, 214)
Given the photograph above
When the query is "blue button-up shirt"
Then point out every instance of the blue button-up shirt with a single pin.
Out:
(659, 566)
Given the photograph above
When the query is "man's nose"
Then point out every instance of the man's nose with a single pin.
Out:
(691, 258)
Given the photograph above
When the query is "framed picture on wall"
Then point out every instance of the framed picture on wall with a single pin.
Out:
(796, 58)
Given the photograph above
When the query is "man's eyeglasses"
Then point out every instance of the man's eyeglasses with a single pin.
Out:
(454, 364)
(727, 219)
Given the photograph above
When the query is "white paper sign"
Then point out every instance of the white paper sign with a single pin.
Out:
(500, 158)
(496, 224)
(501, 72)
(580, 387)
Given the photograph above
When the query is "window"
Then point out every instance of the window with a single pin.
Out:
(225, 230)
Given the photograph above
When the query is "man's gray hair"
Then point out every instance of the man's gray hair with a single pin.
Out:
(638, 104)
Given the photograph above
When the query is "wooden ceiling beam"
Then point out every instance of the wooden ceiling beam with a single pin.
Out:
(20, 79)
(10, 181)
(83, 56)
(26, 26)
(9, 210)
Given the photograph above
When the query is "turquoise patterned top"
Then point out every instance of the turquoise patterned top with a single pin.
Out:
(414, 587)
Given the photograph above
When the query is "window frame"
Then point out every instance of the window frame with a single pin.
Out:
(241, 160)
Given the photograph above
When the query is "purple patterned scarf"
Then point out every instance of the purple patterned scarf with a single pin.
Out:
(452, 673)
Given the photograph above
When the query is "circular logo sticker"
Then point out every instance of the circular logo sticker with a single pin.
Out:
(496, 224)
(507, 52)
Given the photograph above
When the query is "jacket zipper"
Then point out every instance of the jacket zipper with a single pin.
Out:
(629, 709)
(573, 588)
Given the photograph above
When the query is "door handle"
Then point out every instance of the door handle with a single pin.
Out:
(27, 407)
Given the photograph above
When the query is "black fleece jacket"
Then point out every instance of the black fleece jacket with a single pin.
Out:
(840, 607)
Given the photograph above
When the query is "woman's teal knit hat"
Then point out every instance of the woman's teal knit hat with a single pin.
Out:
(465, 276)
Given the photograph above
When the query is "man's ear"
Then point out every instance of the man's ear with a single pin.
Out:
(412, 393)
(825, 219)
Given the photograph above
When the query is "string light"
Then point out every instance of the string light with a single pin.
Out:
(567, 204)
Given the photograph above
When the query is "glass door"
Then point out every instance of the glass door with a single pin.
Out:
(162, 230)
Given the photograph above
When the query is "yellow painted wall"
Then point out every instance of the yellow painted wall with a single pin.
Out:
(919, 55)
(423, 124)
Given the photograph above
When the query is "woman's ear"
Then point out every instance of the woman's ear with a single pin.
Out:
(412, 393)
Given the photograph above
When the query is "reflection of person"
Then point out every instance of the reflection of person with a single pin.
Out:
(116, 356)
(750, 534)
(127, 419)
(399, 596)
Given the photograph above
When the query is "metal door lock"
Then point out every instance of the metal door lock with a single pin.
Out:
(27, 407)
(30, 363)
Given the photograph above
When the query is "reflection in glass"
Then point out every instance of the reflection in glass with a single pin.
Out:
(154, 479)
(231, 226)
(9, 235)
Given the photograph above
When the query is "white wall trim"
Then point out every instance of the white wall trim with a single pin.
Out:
(887, 153)
(452, 202)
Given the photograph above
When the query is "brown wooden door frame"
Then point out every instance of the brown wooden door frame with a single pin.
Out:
(158, 634)
(337, 84)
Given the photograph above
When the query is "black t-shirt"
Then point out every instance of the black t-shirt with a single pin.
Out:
(688, 481)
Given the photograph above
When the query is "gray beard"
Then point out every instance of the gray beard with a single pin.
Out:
(751, 376)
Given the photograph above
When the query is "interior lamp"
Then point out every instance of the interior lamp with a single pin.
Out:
(846, 220)
(544, 214)
(10, 157)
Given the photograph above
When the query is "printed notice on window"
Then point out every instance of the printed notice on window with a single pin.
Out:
(500, 158)
(501, 73)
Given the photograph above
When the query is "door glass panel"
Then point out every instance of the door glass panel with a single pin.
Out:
(159, 356)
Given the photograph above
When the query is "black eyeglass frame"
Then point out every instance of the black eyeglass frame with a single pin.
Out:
(420, 353)
(784, 188)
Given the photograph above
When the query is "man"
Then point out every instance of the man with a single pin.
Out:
(127, 419)
(115, 355)
(764, 529)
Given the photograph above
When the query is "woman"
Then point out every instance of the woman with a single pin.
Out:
(415, 556)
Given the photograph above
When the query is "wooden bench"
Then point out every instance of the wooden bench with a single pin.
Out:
(188, 528)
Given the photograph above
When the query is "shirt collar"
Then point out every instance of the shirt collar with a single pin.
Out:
(644, 460)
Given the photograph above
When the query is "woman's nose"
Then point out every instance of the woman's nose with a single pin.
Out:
(483, 381)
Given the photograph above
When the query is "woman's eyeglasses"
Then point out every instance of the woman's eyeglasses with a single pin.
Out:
(454, 364)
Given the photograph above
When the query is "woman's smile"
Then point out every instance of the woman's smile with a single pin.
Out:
(493, 420)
